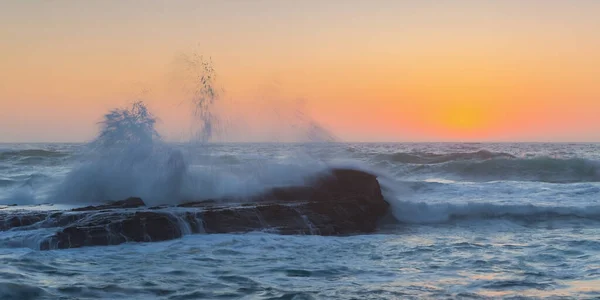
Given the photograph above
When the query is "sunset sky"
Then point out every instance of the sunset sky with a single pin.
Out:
(366, 70)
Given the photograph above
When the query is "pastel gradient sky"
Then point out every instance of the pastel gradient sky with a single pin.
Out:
(503, 70)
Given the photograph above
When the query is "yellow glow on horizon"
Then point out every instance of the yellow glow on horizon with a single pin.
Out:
(459, 120)
(462, 117)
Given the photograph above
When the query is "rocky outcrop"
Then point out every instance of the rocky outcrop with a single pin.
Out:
(341, 202)
(345, 202)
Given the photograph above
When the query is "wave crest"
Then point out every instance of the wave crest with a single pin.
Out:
(425, 158)
(544, 169)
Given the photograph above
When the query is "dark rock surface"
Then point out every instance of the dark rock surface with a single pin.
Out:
(346, 202)
(131, 202)
(115, 228)
(339, 203)
(20, 219)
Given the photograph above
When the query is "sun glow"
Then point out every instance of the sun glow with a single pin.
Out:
(460, 120)
(462, 117)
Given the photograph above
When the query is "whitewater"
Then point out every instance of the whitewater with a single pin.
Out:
(475, 220)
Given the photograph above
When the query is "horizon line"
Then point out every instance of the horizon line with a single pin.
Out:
(338, 142)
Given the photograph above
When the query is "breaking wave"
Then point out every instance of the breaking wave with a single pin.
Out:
(130, 158)
(127, 158)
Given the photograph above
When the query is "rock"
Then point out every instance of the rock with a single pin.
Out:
(346, 202)
(341, 202)
(131, 202)
(20, 219)
(118, 228)
(44, 219)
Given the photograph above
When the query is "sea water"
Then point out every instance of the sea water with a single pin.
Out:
(475, 221)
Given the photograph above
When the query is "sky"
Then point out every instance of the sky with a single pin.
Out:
(406, 71)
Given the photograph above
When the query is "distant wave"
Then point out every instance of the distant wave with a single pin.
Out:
(485, 165)
(423, 158)
(544, 169)
(423, 213)
(31, 153)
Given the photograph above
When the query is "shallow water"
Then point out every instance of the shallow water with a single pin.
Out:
(471, 227)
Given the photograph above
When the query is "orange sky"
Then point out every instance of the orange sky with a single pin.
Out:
(367, 70)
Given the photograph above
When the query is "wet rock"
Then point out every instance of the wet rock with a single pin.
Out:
(131, 202)
(341, 202)
(346, 202)
(10, 220)
(116, 228)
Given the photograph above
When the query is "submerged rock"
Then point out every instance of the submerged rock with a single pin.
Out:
(341, 202)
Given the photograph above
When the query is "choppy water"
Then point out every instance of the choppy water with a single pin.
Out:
(477, 221)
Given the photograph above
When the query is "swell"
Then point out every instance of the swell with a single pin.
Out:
(425, 158)
(485, 165)
(30, 157)
(543, 169)
(423, 213)
(31, 153)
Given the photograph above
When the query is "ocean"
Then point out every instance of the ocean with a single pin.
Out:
(474, 221)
